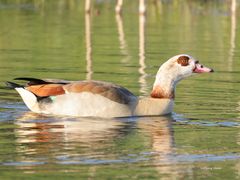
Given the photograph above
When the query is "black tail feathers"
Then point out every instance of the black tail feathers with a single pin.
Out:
(12, 85)
(33, 81)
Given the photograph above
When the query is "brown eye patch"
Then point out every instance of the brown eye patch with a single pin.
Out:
(183, 60)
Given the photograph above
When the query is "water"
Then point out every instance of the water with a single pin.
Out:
(200, 140)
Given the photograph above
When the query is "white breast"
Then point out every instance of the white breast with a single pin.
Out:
(153, 107)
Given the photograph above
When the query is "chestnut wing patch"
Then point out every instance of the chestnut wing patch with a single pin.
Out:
(110, 91)
(44, 90)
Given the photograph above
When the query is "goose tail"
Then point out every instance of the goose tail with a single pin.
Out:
(28, 97)
(12, 85)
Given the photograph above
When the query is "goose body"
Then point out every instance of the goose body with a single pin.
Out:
(103, 99)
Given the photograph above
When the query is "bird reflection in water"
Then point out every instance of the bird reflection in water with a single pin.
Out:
(40, 128)
(71, 140)
(161, 134)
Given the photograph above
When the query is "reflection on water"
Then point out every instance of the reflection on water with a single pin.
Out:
(41, 140)
(142, 7)
(153, 141)
(118, 7)
(88, 46)
(141, 70)
(87, 6)
(86, 140)
(233, 33)
(200, 140)
(69, 141)
(121, 36)
(161, 135)
(86, 131)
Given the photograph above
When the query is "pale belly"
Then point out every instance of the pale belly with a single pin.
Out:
(88, 104)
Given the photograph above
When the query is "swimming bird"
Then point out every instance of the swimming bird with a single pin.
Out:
(104, 99)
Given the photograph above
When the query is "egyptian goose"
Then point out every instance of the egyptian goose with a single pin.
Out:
(102, 99)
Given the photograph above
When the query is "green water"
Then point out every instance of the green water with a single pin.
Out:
(52, 39)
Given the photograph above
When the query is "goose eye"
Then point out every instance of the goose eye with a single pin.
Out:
(183, 60)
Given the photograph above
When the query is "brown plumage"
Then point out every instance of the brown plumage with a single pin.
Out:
(110, 91)
(158, 92)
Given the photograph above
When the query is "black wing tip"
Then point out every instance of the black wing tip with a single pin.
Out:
(32, 81)
(12, 85)
(29, 79)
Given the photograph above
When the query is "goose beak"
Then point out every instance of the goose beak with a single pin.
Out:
(201, 69)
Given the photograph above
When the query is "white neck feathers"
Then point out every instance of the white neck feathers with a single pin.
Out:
(165, 83)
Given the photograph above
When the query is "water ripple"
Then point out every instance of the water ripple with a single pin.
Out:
(180, 118)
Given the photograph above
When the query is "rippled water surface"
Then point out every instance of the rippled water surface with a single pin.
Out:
(54, 39)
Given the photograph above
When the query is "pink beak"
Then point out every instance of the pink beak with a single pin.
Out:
(201, 69)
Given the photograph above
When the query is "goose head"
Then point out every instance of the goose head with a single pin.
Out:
(174, 70)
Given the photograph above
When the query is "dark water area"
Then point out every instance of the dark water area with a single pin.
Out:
(55, 39)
